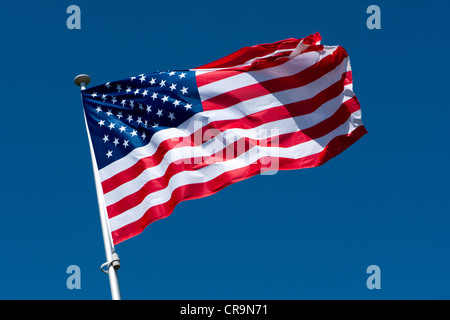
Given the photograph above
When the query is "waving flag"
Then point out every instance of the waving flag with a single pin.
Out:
(164, 137)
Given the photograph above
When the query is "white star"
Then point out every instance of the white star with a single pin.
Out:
(94, 94)
(122, 129)
(182, 75)
(171, 73)
(134, 133)
(155, 125)
(143, 136)
(108, 84)
(153, 81)
(176, 103)
(149, 108)
(98, 109)
(109, 154)
(165, 98)
(114, 100)
(119, 115)
(171, 116)
(119, 88)
(132, 78)
(141, 107)
(101, 123)
(173, 86)
(184, 90)
(136, 92)
(125, 143)
(105, 138)
(130, 118)
(188, 106)
(128, 89)
(142, 78)
(159, 113)
(154, 95)
(162, 83)
(145, 93)
(104, 97)
(109, 112)
(111, 126)
(131, 104)
(139, 120)
(116, 141)
(123, 102)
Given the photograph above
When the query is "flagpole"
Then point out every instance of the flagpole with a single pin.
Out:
(112, 259)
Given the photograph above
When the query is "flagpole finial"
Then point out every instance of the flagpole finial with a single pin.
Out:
(82, 80)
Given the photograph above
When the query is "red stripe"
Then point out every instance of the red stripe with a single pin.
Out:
(195, 191)
(311, 74)
(247, 53)
(277, 113)
(263, 63)
(260, 64)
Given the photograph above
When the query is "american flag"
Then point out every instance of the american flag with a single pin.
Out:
(164, 137)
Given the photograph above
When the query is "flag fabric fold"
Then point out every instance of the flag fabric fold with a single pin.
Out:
(164, 137)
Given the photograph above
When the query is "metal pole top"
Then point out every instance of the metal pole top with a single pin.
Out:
(82, 80)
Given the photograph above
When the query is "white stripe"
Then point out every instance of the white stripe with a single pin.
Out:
(235, 112)
(225, 138)
(214, 170)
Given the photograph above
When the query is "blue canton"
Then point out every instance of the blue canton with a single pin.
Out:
(124, 115)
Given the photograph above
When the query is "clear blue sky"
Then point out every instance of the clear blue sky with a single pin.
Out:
(382, 202)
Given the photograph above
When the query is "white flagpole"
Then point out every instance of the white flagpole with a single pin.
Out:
(112, 258)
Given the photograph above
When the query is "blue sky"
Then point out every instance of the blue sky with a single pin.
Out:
(305, 234)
